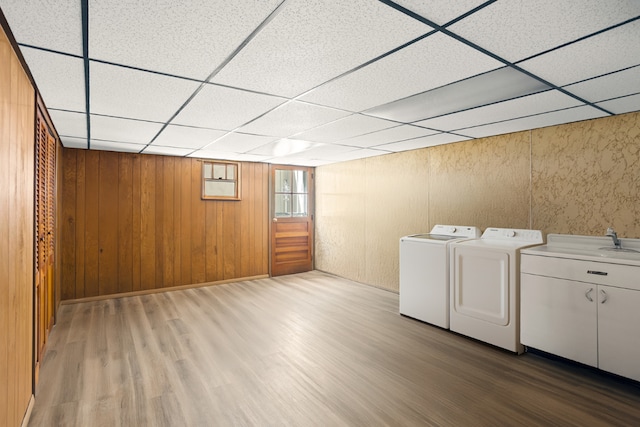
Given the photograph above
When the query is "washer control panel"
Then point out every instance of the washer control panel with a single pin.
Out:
(456, 231)
(521, 235)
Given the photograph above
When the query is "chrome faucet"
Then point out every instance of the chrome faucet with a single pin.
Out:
(611, 233)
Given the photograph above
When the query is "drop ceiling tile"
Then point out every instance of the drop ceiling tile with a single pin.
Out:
(55, 25)
(518, 29)
(495, 86)
(226, 155)
(604, 53)
(519, 107)
(123, 130)
(622, 105)
(347, 127)
(124, 147)
(324, 151)
(613, 85)
(291, 118)
(296, 161)
(69, 123)
(72, 142)
(538, 121)
(239, 142)
(167, 151)
(224, 108)
(440, 11)
(386, 136)
(60, 78)
(430, 63)
(187, 137)
(186, 39)
(122, 92)
(427, 141)
(358, 153)
(282, 147)
(310, 42)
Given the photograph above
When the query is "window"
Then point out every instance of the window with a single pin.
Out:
(291, 193)
(220, 180)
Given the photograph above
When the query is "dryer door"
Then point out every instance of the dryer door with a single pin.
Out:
(481, 284)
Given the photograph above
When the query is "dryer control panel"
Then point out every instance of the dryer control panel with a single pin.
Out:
(515, 234)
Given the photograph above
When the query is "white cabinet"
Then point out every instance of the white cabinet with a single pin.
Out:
(584, 311)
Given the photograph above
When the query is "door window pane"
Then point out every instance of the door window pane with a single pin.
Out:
(299, 205)
(282, 205)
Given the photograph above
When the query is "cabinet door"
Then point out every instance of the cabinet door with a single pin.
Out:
(559, 317)
(618, 331)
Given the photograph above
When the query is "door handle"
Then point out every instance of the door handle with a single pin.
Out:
(275, 219)
(605, 297)
(588, 295)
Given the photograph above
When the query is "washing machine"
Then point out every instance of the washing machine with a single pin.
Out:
(424, 272)
(485, 287)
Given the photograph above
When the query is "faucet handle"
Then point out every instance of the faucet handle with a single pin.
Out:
(610, 231)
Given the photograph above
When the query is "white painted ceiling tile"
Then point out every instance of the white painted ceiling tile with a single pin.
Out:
(621, 83)
(358, 153)
(60, 78)
(227, 155)
(324, 151)
(224, 108)
(291, 118)
(187, 137)
(347, 127)
(604, 53)
(427, 141)
(386, 136)
(123, 130)
(124, 147)
(622, 105)
(440, 11)
(73, 142)
(518, 29)
(310, 42)
(534, 122)
(239, 142)
(69, 123)
(122, 92)
(55, 25)
(282, 147)
(298, 161)
(186, 39)
(430, 63)
(167, 151)
(519, 107)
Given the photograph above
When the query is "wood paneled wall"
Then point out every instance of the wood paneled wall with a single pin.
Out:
(135, 222)
(17, 115)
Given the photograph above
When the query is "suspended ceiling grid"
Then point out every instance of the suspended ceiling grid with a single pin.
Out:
(312, 82)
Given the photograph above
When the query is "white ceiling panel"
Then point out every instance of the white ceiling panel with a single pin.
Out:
(386, 136)
(55, 25)
(533, 122)
(622, 105)
(124, 147)
(122, 92)
(185, 39)
(60, 78)
(224, 108)
(69, 123)
(427, 64)
(440, 11)
(291, 118)
(226, 155)
(358, 153)
(347, 127)
(613, 85)
(519, 107)
(282, 147)
(239, 142)
(522, 28)
(324, 151)
(312, 41)
(72, 142)
(167, 151)
(427, 141)
(123, 130)
(610, 51)
(296, 160)
(187, 137)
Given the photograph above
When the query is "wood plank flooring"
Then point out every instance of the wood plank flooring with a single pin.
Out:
(302, 350)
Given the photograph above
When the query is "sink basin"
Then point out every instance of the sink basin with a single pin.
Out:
(614, 249)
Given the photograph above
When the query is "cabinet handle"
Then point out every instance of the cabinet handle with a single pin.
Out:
(598, 273)
(605, 297)
(588, 295)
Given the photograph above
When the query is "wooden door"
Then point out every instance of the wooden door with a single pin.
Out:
(291, 219)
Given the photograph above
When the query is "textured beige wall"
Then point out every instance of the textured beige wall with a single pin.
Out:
(577, 178)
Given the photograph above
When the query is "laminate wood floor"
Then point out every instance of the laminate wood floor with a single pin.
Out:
(302, 350)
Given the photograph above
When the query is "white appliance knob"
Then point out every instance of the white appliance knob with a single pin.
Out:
(511, 233)
(452, 230)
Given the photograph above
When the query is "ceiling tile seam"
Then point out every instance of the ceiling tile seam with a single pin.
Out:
(471, 12)
(491, 54)
(84, 4)
(601, 75)
(219, 68)
(618, 97)
(44, 49)
(579, 39)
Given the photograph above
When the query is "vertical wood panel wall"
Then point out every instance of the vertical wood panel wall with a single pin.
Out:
(17, 113)
(135, 222)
